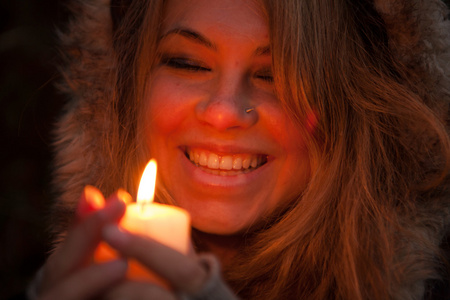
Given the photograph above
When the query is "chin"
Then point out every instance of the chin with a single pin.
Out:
(219, 226)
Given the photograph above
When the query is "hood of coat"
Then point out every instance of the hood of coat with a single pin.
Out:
(419, 36)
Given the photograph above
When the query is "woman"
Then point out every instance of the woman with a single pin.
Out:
(307, 139)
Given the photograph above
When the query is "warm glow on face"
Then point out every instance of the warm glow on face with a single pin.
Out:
(146, 191)
(195, 103)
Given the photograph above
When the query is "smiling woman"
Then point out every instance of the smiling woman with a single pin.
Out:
(214, 64)
(308, 140)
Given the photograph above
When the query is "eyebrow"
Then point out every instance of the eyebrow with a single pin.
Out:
(264, 50)
(199, 38)
(192, 35)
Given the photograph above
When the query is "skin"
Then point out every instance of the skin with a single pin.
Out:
(202, 107)
(68, 266)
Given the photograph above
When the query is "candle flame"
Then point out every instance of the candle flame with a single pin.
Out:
(146, 191)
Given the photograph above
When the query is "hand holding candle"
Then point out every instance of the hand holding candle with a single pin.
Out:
(166, 224)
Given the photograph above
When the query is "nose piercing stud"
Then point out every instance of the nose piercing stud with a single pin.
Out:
(249, 110)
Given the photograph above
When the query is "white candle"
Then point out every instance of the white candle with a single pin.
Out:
(169, 225)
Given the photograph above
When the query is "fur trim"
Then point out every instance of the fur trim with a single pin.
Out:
(419, 264)
(419, 35)
(87, 46)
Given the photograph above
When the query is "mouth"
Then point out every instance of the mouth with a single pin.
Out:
(225, 164)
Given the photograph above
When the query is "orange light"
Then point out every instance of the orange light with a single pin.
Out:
(146, 191)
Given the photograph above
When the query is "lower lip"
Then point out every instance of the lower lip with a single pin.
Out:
(208, 180)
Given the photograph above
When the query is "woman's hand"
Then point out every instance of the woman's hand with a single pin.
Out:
(184, 274)
(69, 272)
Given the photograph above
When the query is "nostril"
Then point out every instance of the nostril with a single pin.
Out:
(226, 115)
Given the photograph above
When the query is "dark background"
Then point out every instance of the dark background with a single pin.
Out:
(29, 106)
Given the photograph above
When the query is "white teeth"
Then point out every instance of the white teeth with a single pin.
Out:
(237, 163)
(246, 163)
(196, 157)
(254, 162)
(213, 161)
(203, 159)
(226, 163)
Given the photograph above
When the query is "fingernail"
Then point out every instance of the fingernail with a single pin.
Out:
(114, 235)
(124, 196)
(91, 200)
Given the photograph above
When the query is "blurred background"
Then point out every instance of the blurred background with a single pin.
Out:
(29, 107)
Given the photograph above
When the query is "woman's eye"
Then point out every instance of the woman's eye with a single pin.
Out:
(183, 64)
(265, 75)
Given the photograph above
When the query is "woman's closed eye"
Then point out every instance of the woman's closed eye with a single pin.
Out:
(265, 75)
(190, 65)
(186, 64)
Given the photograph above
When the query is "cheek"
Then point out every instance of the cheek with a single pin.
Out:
(290, 136)
(296, 168)
(165, 107)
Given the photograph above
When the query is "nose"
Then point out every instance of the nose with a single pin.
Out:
(228, 106)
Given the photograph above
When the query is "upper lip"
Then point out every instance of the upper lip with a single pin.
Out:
(225, 149)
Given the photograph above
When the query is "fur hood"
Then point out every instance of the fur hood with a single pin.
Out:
(419, 36)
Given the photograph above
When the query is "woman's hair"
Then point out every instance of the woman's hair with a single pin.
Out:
(379, 147)
(130, 25)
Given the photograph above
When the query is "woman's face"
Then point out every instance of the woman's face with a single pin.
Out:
(226, 150)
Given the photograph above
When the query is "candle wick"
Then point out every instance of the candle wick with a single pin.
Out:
(142, 207)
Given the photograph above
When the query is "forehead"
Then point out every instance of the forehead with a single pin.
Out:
(237, 17)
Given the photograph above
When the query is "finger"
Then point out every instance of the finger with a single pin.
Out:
(182, 272)
(80, 243)
(133, 290)
(89, 282)
(90, 201)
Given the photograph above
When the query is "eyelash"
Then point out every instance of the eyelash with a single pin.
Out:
(183, 64)
(180, 63)
(266, 77)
